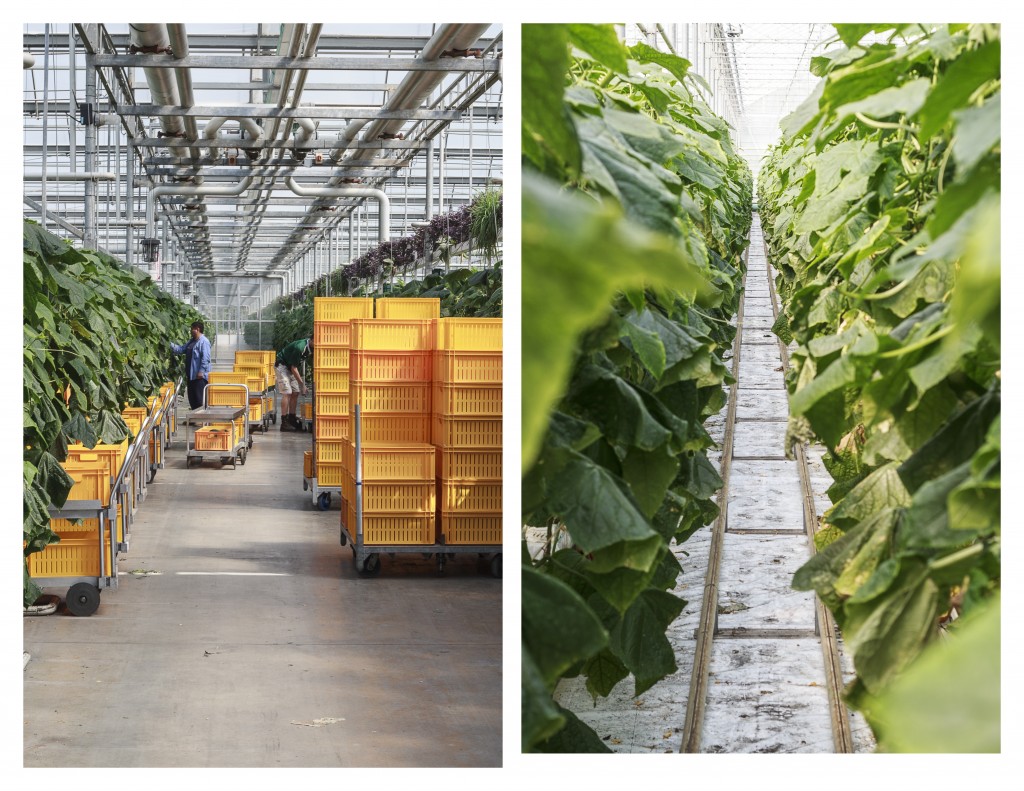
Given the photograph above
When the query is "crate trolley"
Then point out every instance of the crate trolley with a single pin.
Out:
(322, 494)
(159, 437)
(84, 559)
(367, 555)
(258, 417)
(236, 446)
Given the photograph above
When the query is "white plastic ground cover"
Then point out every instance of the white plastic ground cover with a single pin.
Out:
(764, 695)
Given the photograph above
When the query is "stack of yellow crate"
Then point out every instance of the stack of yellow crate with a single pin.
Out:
(253, 365)
(467, 410)
(219, 395)
(332, 317)
(84, 461)
(391, 370)
(398, 492)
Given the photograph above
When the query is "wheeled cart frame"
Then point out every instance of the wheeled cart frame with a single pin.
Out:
(83, 595)
(219, 414)
(367, 557)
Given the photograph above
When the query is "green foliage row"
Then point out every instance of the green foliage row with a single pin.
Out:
(463, 292)
(635, 218)
(96, 338)
(881, 211)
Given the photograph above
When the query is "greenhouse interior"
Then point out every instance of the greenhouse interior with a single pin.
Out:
(761, 456)
(262, 394)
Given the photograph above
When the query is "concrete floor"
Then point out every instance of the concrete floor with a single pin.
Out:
(253, 642)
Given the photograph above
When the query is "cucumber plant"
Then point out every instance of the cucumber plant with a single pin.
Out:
(635, 218)
(881, 212)
(96, 337)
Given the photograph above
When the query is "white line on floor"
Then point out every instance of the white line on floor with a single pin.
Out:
(232, 574)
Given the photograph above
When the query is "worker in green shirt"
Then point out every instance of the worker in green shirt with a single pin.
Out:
(289, 380)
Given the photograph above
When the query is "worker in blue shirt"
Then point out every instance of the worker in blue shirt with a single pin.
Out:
(197, 363)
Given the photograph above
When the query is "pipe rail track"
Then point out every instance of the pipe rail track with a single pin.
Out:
(708, 629)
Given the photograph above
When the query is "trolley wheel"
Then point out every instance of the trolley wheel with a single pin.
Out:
(344, 538)
(496, 566)
(83, 599)
(273, 419)
(370, 566)
(305, 485)
(323, 502)
(152, 474)
(250, 446)
(243, 454)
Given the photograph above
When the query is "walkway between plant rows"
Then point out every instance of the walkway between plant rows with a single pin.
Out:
(758, 652)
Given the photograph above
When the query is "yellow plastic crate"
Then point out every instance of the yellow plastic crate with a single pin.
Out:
(383, 366)
(467, 367)
(307, 463)
(412, 497)
(220, 395)
(335, 358)
(140, 413)
(392, 529)
(393, 335)
(217, 436)
(470, 496)
(88, 526)
(255, 409)
(92, 479)
(111, 455)
(227, 377)
(326, 428)
(239, 423)
(329, 473)
(469, 335)
(330, 451)
(401, 428)
(332, 333)
(337, 381)
(332, 404)
(256, 384)
(480, 465)
(484, 529)
(468, 400)
(251, 357)
(342, 308)
(72, 556)
(409, 308)
(156, 450)
(391, 461)
(134, 424)
(454, 432)
(395, 398)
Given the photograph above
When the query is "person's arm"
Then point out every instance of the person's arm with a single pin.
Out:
(178, 348)
(298, 376)
(204, 359)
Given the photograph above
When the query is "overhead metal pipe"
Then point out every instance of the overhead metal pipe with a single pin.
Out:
(189, 191)
(179, 46)
(76, 176)
(154, 38)
(384, 203)
(254, 130)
